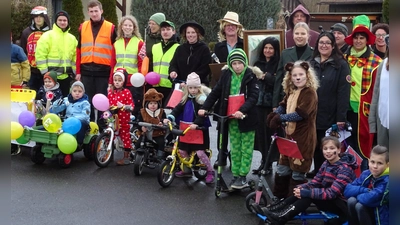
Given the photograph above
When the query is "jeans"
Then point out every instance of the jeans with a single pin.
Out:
(358, 213)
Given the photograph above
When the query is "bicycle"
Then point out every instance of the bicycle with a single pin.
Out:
(175, 162)
(109, 140)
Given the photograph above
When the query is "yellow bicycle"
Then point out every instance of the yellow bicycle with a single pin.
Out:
(175, 162)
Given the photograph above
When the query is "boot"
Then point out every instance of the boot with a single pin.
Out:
(293, 183)
(276, 206)
(124, 161)
(280, 188)
(282, 216)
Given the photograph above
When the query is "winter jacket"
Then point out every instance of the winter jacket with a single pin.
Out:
(375, 196)
(41, 94)
(152, 39)
(333, 93)
(221, 50)
(190, 58)
(287, 55)
(312, 41)
(79, 109)
(165, 47)
(20, 69)
(221, 93)
(56, 51)
(331, 179)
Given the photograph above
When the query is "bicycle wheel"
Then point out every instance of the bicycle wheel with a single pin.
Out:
(102, 156)
(164, 175)
(251, 198)
(138, 164)
(89, 149)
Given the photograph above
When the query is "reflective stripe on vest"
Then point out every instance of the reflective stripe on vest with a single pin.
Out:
(126, 57)
(161, 63)
(98, 51)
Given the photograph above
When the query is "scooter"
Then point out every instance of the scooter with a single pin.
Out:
(221, 185)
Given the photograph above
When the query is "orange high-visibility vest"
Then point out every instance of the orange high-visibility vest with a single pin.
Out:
(98, 51)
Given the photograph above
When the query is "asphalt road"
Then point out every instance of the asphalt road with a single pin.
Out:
(85, 194)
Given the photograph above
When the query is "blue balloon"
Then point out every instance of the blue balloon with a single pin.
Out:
(71, 125)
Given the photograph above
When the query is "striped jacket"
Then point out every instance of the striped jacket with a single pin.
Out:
(331, 179)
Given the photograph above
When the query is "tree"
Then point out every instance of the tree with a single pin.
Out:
(75, 10)
(253, 14)
(110, 11)
(385, 11)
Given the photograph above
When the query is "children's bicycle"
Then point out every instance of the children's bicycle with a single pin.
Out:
(175, 162)
(109, 140)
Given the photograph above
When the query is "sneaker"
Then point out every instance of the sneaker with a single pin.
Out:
(123, 162)
(183, 174)
(239, 183)
(233, 181)
(210, 177)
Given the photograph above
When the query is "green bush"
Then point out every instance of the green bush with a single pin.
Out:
(110, 11)
(75, 10)
(385, 11)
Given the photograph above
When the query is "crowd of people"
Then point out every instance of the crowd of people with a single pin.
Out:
(320, 79)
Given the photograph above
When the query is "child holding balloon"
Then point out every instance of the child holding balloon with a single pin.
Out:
(76, 105)
(120, 96)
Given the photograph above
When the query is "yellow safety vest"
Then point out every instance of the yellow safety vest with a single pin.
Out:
(161, 63)
(126, 57)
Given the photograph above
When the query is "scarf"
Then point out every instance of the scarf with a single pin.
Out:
(383, 103)
(290, 108)
(153, 114)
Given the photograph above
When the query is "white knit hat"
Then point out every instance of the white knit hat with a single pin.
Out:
(193, 80)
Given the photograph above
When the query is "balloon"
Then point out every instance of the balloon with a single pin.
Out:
(51, 122)
(71, 125)
(100, 102)
(153, 78)
(94, 128)
(27, 118)
(137, 79)
(22, 140)
(67, 143)
(16, 130)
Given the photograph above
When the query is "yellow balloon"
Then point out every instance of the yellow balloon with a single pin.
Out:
(52, 123)
(94, 128)
(67, 143)
(16, 130)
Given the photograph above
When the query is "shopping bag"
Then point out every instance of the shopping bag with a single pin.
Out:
(288, 147)
(359, 159)
(192, 136)
(175, 97)
(234, 103)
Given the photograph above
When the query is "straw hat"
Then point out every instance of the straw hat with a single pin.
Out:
(231, 17)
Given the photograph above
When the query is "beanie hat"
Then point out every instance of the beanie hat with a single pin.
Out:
(193, 80)
(158, 18)
(341, 28)
(52, 75)
(78, 83)
(62, 13)
(237, 54)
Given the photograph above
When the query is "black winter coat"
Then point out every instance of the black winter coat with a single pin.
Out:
(333, 93)
(250, 90)
(221, 50)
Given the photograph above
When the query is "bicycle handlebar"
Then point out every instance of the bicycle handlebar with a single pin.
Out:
(220, 116)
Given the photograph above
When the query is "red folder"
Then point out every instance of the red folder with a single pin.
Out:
(234, 103)
(192, 136)
(288, 147)
(175, 98)
(351, 151)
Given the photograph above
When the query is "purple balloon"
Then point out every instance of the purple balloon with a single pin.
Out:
(27, 118)
(153, 78)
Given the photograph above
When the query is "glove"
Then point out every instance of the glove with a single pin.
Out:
(58, 102)
(269, 117)
(128, 108)
(275, 122)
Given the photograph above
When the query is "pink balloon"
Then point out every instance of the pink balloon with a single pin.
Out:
(153, 78)
(100, 102)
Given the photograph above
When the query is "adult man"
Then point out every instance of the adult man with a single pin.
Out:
(94, 50)
(56, 51)
(299, 14)
(340, 31)
(153, 35)
(230, 33)
(380, 30)
(29, 38)
(161, 56)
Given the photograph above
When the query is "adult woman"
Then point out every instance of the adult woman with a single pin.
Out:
(268, 63)
(334, 92)
(128, 53)
(363, 66)
(301, 51)
(192, 56)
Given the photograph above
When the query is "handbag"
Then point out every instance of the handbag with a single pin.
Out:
(191, 136)
(234, 103)
(288, 147)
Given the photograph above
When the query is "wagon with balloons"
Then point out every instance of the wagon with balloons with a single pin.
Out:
(54, 138)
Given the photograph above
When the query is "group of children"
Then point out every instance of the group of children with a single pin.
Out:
(335, 187)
